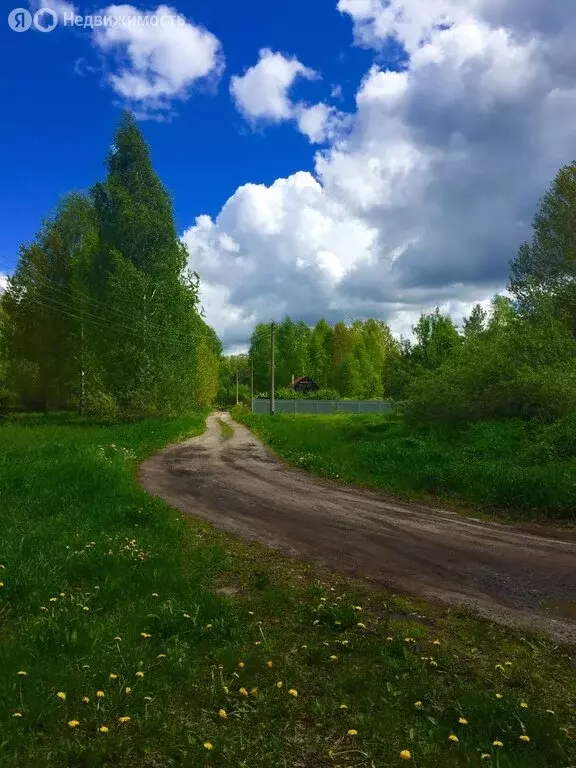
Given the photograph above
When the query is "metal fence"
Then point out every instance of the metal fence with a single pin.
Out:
(322, 406)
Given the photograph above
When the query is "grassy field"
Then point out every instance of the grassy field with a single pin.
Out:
(132, 637)
(511, 469)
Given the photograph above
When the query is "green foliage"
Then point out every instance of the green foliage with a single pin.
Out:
(100, 315)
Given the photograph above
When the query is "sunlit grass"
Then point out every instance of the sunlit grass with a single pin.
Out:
(512, 469)
(132, 637)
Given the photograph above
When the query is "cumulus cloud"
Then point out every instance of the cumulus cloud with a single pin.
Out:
(153, 65)
(262, 94)
(428, 194)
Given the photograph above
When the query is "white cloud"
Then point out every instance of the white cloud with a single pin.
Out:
(157, 64)
(428, 194)
(3, 282)
(262, 94)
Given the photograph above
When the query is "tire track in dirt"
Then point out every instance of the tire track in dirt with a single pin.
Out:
(502, 572)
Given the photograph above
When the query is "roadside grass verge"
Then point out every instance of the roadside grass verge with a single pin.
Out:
(226, 429)
(511, 469)
(210, 652)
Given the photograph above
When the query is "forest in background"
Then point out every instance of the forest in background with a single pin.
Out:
(517, 360)
(100, 315)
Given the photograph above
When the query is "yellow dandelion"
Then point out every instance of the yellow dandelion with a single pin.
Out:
(208, 626)
(508, 663)
(389, 639)
(405, 754)
(225, 689)
(418, 704)
(85, 700)
(222, 714)
(85, 608)
(525, 738)
(124, 719)
(453, 738)
(499, 666)
(208, 745)
(333, 658)
(524, 705)
(550, 711)
(462, 721)
(147, 698)
(269, 664)
(243, 692)
(433, 663)
(113, 676)
(51, 600)
(145, 635)
(17, 714)
(497, 743)
(154, 594)
(357, 607)
(343, 706)
(293, 692)
(140, 674)
(241, 665)
(352, 732)
(485, 756)
(361, 625)
(73, 723)
(253, 691)
(61, 695)
(499, 695)
(117, 638)
(104, 729)
(436, 642)
(279, 684)
(62, 594)
(22, 673)
(100, 694)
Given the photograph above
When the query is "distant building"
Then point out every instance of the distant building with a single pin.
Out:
(304, 384)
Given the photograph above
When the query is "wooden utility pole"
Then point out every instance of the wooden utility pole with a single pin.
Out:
(251, 385)
(237, 401)
(272, 369)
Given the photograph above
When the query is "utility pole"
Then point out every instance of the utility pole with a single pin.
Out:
(237, 401)
(251, 385)
(271, 369)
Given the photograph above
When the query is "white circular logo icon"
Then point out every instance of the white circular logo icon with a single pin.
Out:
(45, 20)
(20, 20)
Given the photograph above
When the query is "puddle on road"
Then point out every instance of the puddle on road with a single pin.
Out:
(566, 609)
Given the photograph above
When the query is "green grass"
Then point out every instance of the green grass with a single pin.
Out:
(226, 429)
(90, 563)
(511, 469)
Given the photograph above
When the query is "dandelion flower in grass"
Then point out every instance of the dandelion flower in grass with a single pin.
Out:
(550, 711)
(293, 692)
(73, 723)
(103, 729)
(499, 695)
(117, 638)
(343, 706)
(62, 594)
(352, 732)
(405, 754)
(279, 684)
(333, 658)
(525, 738)
(17, 714)
(243, 692)
(147, 698)
(85, 700)
(208, 745)
(154, 594)
(61, 695)
(145, 635)
(85, 608)
(253, 691)
(140, 674)
(222, 714)
(485, 756)
(357, 607)
(100, 694)
(462, 721)
(241, 665)
(124, 719)
(186, 615)
(127, 690)
(225, 689)
(499, 666)
(508, 663)
(436, 642)
(269, 664)
(161, 656)
(361, 625)
(51, 600)
(22, 673)
(418, 704)
(113, 676)
(524, 705)
(453, 738)
(497, 743)
(433, 663)
(389, 639)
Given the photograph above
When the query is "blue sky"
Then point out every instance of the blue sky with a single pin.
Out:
(336, 158)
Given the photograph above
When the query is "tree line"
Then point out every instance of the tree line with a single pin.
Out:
(100, 314)
(516, 359)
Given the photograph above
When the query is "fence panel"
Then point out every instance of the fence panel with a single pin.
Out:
(322, 406)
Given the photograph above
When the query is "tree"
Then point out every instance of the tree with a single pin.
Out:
(437, 337)
(476, 322)
(547, 264)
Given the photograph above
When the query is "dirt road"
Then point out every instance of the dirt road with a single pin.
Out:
(502, 572)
